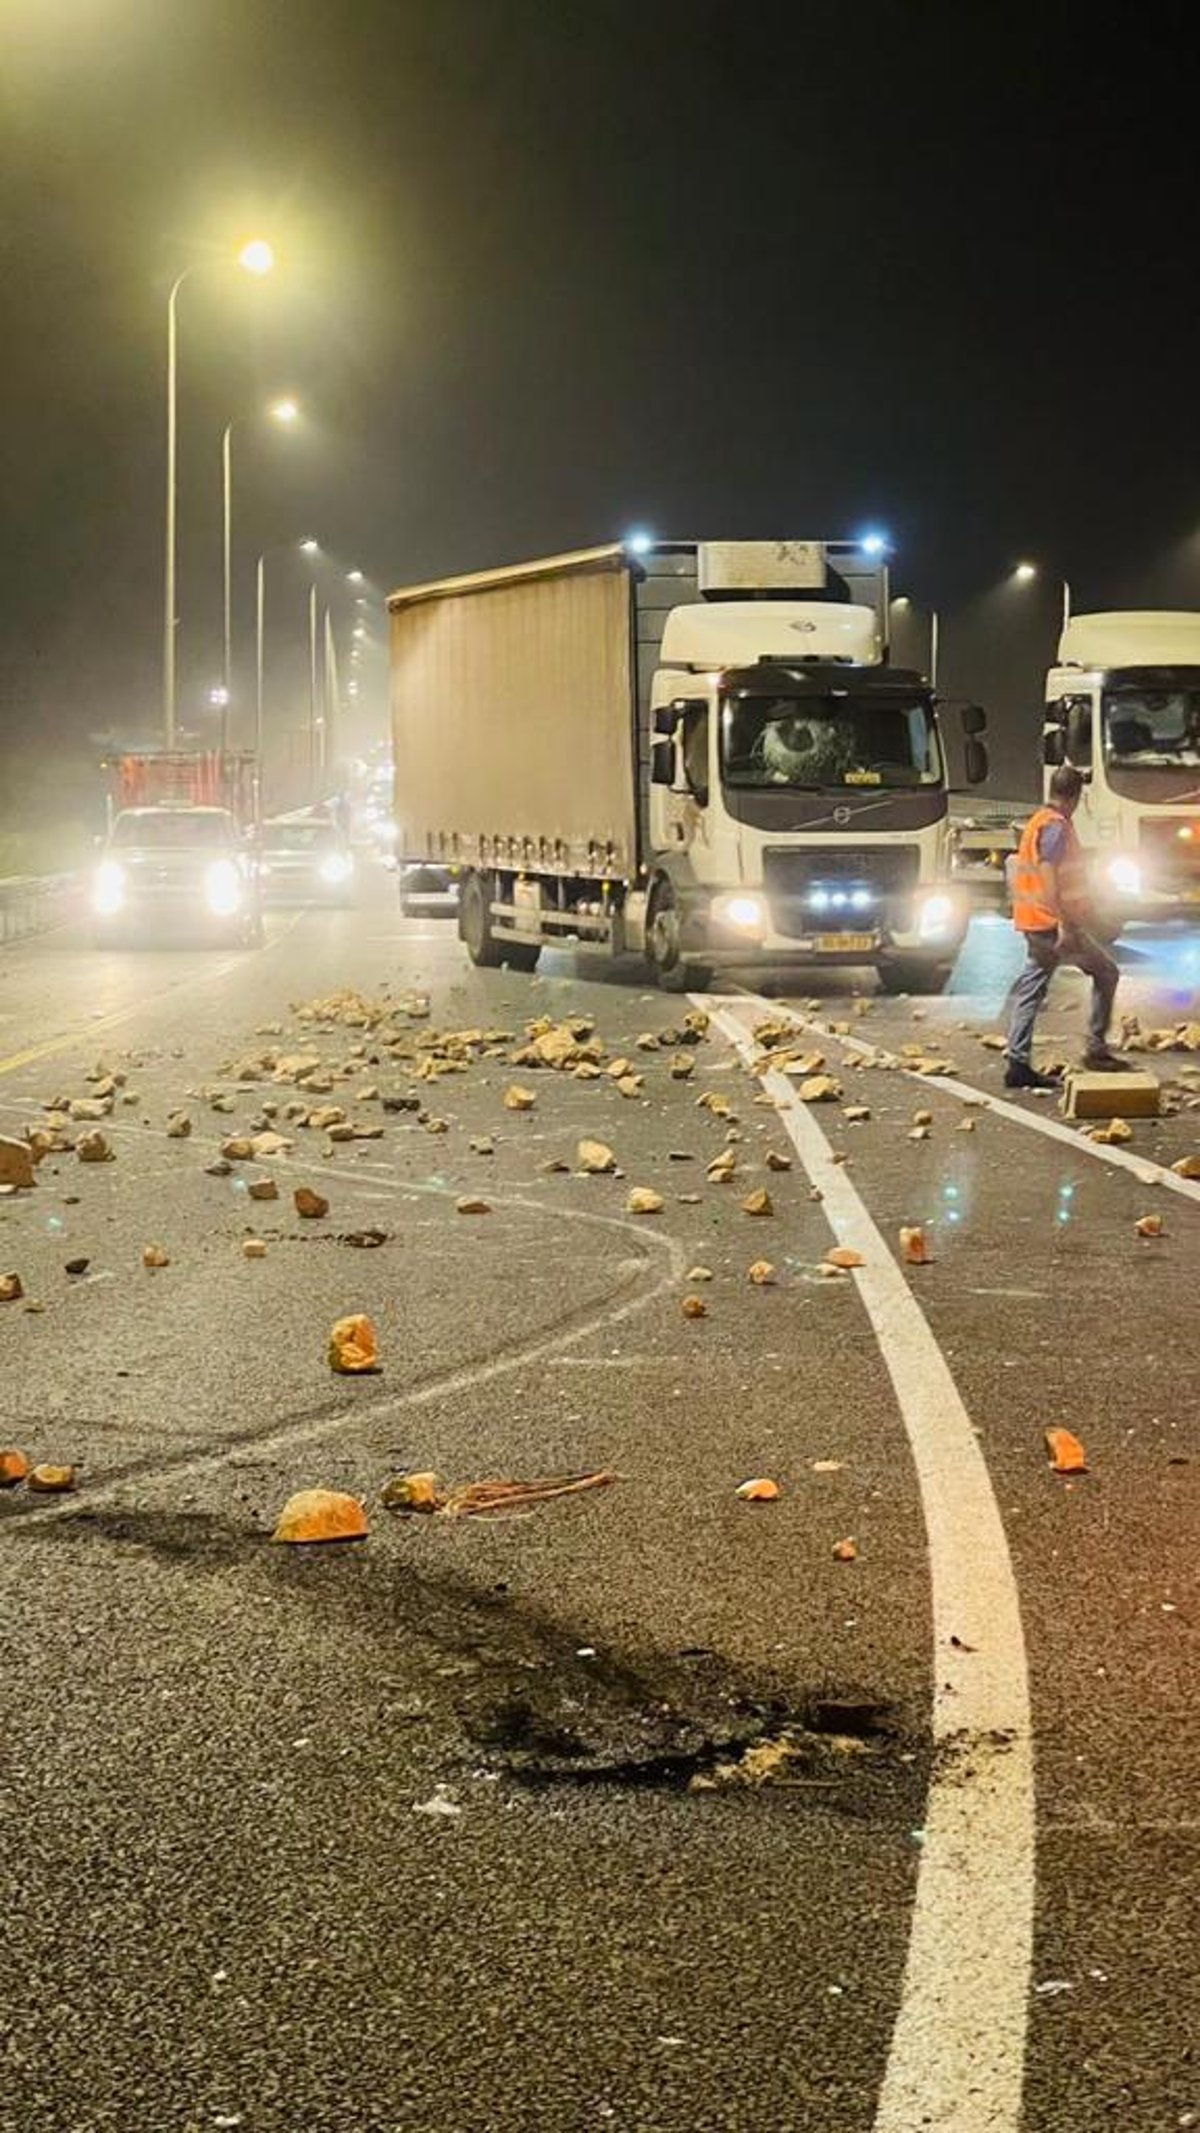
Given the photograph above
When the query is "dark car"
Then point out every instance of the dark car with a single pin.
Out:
(305, 860)
(176, 870)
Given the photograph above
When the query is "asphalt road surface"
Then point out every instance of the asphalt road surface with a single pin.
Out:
(638, 1809)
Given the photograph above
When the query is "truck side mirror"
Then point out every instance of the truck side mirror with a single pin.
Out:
(1054, 747)
(662, 761)
(975, 760)
(666, 719)
(974, 718)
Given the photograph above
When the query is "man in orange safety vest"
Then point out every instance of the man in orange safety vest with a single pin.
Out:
(1052, 908)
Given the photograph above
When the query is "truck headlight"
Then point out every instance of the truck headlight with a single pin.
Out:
(336, 867)
(108, 889)
(1125, 874)
(747, 914)
(223, 888)
(935, 917)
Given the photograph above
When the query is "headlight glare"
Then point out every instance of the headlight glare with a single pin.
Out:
(223, 888)
(747, 913)
(336, 867)
(108, 889)
(1125, 874)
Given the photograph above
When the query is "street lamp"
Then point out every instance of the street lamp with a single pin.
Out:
(306, 547)
(256, 257)
(1025, 573)
(285, 412)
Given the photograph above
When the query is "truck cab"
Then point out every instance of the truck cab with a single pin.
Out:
(798, 795)
(1123, 706)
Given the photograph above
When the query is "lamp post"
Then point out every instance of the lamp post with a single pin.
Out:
(306, 547)
(312, 690)
(256, 258)
(285, 412)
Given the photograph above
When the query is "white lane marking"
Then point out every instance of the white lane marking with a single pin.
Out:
(958, 2048)
(1143, 1166)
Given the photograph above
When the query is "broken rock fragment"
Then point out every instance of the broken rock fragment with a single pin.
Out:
(1065, 1452)
(179, 1125)
(411, 1492)
(467, 1206)
(313, 1206)
(353, 1348)
(760, 1490)
(254, 1248)
(761, 1274)
(845, 1551)
(644, 1201)
(14, 1467)
(11, 1288)
(263, 1189)
(51, 1480)
(94, 1147)
(694, 1307)
(155, 1255)
(844, 1257)
(758, 1203)
(517, 1098)
(819, 1089)
(914, 1246)
(321, 1515)
(595, 1158)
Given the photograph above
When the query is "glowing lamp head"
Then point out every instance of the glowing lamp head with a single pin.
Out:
(285, 411)
(257, 256)
(874, 545)
(310, 547)
(1025, 573)
(639, 542)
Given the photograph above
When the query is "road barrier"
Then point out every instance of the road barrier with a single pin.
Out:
(30, 903)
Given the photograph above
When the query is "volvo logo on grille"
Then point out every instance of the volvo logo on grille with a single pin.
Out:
(841, 814)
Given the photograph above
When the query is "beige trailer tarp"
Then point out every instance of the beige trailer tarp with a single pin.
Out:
(513, 717)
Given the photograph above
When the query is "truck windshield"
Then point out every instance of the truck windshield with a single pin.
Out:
(171, 831)
(1152, 739)
(812, 743)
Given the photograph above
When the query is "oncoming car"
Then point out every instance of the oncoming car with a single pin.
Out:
(305, 861)
(177, 871)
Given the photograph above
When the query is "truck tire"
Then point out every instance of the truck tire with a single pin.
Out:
(913, 975)
(672, 971)
(475, 922)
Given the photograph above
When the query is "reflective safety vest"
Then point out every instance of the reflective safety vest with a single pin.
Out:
(1033, 911)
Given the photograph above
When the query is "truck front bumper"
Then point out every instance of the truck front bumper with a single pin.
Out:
(737, 926)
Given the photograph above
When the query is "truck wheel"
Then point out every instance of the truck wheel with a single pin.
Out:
(475, 923)
(914, 976)
(672, 972)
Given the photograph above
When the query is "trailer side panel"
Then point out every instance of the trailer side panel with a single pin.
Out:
(512, 716)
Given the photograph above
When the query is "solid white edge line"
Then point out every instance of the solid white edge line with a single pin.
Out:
(957, 2053)
(1143, 1166)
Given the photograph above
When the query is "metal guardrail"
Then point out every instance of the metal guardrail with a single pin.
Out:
(30, 903)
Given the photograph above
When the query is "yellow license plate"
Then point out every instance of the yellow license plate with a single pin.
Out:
(846, 943)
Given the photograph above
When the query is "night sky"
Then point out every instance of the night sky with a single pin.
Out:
(549, 270)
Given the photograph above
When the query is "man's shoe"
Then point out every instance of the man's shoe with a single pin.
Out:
(1020, 1075)
(1099, 1060)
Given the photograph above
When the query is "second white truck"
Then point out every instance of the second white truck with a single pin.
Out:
(690, 752)
(1123, 705)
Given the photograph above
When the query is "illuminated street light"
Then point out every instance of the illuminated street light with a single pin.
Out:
(1025, 573)
(310, 547)
(285, 411)
(219, 699)
(354, 577)
(639, 542)
(257, 258)
(875, 544)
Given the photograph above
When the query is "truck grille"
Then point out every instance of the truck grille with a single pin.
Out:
(857, 887)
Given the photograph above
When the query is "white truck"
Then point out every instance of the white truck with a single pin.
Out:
(693, 752)
(1123, 706)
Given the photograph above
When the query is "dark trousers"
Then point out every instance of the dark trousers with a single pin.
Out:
(1044, 955)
